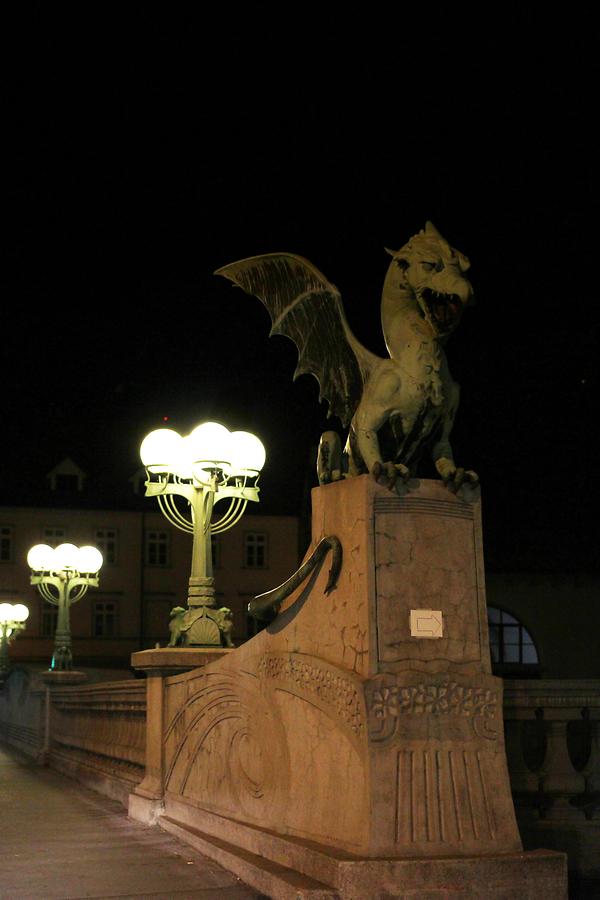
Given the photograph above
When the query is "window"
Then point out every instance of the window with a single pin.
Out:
(156, 617)
(215, 543)
(54, 536)
(255, 550)
(6, 543)
(64, 482)
(106, 542)
(253, 626)
(48, 620)
(66, 477)
(157, 548)
(510, 642)
(104, 618)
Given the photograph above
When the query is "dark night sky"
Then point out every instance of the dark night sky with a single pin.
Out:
(147, 148)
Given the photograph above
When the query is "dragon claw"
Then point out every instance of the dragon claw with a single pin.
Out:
(459, 477)
(454, 477)
(387, 473)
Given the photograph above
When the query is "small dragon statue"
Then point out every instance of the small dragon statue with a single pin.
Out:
(396, 409)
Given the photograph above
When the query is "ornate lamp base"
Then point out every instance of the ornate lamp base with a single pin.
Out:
(201, 624)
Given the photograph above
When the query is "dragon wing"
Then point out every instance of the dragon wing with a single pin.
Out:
(307, 308)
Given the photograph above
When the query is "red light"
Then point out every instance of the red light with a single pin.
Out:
(165, 418)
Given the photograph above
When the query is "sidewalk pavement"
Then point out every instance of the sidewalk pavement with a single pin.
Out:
(62, 841)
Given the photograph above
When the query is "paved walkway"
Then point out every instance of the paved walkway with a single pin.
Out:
(62, 841)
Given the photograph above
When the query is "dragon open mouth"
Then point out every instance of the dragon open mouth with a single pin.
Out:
(444, 309)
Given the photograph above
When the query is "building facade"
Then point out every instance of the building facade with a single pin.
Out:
(144, 575)
(541, 623)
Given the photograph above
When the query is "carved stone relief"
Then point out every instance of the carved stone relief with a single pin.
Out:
(339, 696)
(444, 710)
(220, 745)
(445, 797)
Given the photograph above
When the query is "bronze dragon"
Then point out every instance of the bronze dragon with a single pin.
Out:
(397, 408)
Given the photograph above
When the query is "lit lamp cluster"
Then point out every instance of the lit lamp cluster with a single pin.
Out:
(12, 620)
(209, 465)
(62, 575)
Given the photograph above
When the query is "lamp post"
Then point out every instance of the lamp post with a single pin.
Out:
(63, 575)
(209, 465)
(12, 620)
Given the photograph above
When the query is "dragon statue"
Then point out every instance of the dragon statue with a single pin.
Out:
(396, 409)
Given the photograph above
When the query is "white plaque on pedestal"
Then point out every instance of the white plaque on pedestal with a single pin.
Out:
(426, 623)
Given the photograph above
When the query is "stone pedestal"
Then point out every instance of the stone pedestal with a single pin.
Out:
(357, 742)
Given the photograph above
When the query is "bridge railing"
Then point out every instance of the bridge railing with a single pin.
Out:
(97, 734)
(22, 712)
(94, 732)
(552, 731)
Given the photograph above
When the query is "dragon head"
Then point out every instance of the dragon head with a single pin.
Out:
(428, 267)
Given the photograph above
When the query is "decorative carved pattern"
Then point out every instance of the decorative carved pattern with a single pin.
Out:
(102, 706)
(110, 765)
(119, 696)
(13, 733)
(458, 712)
(424, 506)
(445, 796)
(448, 698)
(220, 744)
(332, 689)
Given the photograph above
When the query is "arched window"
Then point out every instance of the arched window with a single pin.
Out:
(510, 642)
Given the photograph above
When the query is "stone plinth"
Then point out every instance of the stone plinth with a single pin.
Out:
(337, 734)
(170, 660)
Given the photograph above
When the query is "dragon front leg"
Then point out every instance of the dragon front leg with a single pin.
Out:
(362, 449)
(378, 402)
(443, 458)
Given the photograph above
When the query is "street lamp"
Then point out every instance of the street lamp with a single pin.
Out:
(62, 576)
(204, 467)
(12, 620)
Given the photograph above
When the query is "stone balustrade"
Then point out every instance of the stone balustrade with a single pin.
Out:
(552, 732)
(93, 732)
(98, 734)
(22, 712)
